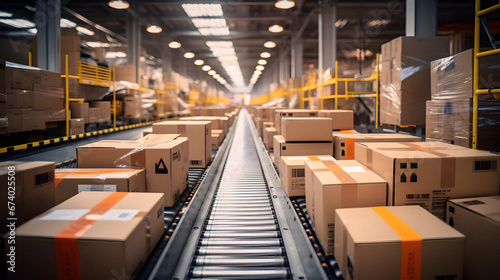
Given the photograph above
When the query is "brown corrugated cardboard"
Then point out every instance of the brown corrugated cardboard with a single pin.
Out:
(132, 105)
(80, 110)
(165, 158)
(217, 137)
(287, 113)
(307, 129)
(199, 134)
(147, 131)
(71, 181)
(28, 187)
(404, 242)
(341, 119)
(38, 120)
(344, 143)
(19, 120)
(94, 115)
(331, 185)
(478, 218)
(77, 126)
(217, 122)
(214, 111)
(93, 235)
(104, 106)
(282, 148)
(430, 173)
(269, 133)
(292, 173)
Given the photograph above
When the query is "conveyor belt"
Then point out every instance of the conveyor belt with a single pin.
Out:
(240, 224)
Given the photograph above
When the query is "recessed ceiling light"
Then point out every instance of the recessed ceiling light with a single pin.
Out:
(189, 55)
(269, 44)
(265, 55)
(257, 72)
(119, 4)
(276, 28)
(153, 28)
(284, 4)
(199, 62)
(216, 76)
(211, 72)
(262, 62)
(259, 67)
(174, 45)
(206, 68)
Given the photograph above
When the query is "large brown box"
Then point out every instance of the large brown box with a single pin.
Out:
(105, 107)
(165, 158)
(344, 143)
(217, 122)
(199, 134)
(77, 126)
(401, 242)
(217, 137)
(71, 181)
(19, 120)
(331, 185)
(132, 106)
(213, 111)
(341, 119)
(269, 133)
(287, 113)
(94, 235)
(292, 173)
(29, 187)
(282, 148)
(261, 124)
(479, 220)
(80, 110)
(430, 173)
(402, 98)
(307, 129)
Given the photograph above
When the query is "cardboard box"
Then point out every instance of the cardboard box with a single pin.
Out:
(331, 185)
(307, 129)
(286, 113)
(292, 174)
(430, 173)
(199, 134)
(147, 131)
(281, 148)
(341, 119)
(217, 138)
(261, 124)
(477, 218)
(19, 120)
(165, 158)
(77, 126)
(72, 181)
(213, 111)
(217, 122)
(93, 235)
(344, 143)
(94, 115)
(105, 107)
(80, 110)
(269, 133)
(132, 107)
(31, 187)
(404, 242)
(38, 120)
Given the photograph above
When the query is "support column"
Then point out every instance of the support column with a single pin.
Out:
(297, 55)
(134, 38)
(421, 17)
(328, 34)
(47, 19)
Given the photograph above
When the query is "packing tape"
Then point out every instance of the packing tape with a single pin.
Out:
(66, 241)
(349, 148)
(60, 174)
(313, 158)
(411, 244)
(344, 131)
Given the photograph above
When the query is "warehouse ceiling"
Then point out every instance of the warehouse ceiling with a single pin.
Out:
(360, 25)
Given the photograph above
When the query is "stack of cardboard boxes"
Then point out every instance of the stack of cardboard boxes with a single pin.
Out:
(91, 112)
(449, 113)
(405, 78)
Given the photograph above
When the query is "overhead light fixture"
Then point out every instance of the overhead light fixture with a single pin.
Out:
(85, 31)
(209, 22)
(216, 76)
(174, 45)
(189, 55)
(66, 23)
(259, 67)
(276, 28)
(262, 62)
(257, 72)
(5, 14)
(269, 44)
(18, 23)
(211, 72)
(206, 68)
(341, 23)
(265, 55)
(199, 62)
(284, 4)
(217, 31)
(118, 4)
(153, 28)
(203, 10)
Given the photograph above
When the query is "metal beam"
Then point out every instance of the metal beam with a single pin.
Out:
(421, 17)
(134, 40)
(47, 18)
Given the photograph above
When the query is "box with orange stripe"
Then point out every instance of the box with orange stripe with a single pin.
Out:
(93, 235)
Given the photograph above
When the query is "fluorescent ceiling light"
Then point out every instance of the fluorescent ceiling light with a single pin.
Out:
(199, 62)
(206, 68)
(220, 44)
(119, 4)
(115, 54)
(18, 23)
(66, 23)
(203, 10)
(153, 28)
(379, 22)
(174, 45)
(32, 30)
(209, 22)
(216, 76)
(258, 72)
(284, 4)
(269, 44)
(262, 62)
(189, 55)
(85, 31)
(211, 72)
(5, 14)
(259, 67)
(218, 31)
(265, 55)
(97, 44)
(341, 23)
(276, 28)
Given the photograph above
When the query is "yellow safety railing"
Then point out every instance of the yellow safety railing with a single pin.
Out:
(91, 74)
(477, 54)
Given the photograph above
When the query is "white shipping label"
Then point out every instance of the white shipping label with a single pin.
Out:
(325, 158)
(65, 215)
(352, 169)
(113, 175)
(96, 188)
(121, 215)
(297, 158)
